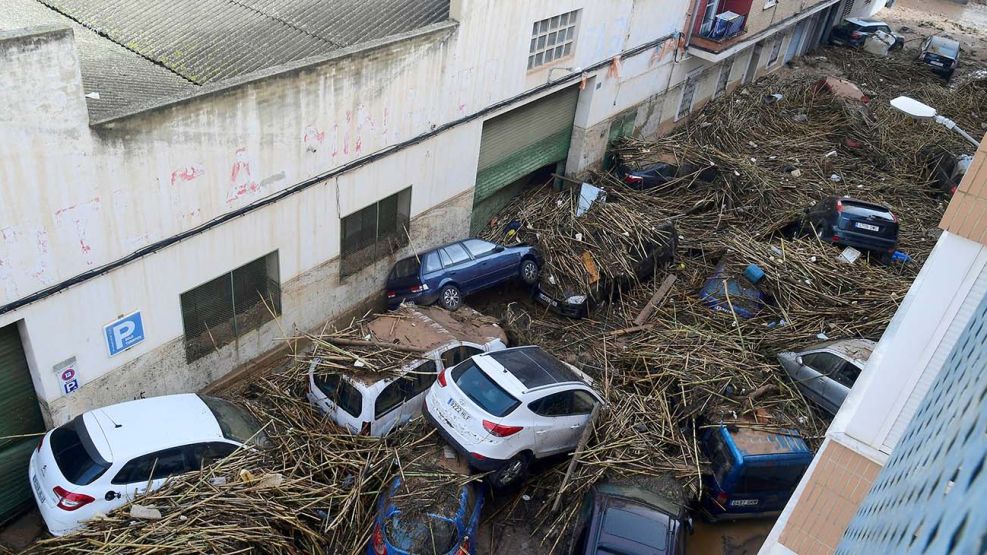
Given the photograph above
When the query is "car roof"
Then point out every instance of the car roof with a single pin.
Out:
(143, 426)
(943, 46)
(629, 527)
(858, 350)
(752, 442)
(864, 204)
(532, 367)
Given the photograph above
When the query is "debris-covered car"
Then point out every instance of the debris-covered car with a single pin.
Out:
(946, 170)
(505, 409)
(448, 273)
(941, 54)
(106, 458)
(595, 240)
(826, 372)
(428, 509)
(854, 223)
(616, 518)
(373, 380)
(752, 472)
(854, 31)
(724, 292)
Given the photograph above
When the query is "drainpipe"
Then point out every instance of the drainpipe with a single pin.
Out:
(692, 23)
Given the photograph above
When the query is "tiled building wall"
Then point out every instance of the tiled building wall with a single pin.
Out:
(838, 484)
(967, 212)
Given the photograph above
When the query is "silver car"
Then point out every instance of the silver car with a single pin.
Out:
(826, 372)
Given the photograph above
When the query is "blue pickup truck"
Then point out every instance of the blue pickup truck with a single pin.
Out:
(753, 472)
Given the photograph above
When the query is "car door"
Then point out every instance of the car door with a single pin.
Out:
(387, 407)
(820, 366)
(491, 266)
(458, 266)
(416, 387)
(560, 419)
(149, 472)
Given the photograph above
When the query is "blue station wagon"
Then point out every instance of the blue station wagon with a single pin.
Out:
(446, 274)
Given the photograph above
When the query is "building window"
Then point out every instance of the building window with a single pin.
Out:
(375, 232)
(552, 39)
(775, 51)
(218, 312)
(724, 79)
(688, 94)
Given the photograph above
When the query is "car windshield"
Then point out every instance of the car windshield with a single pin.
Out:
(861, 210)
(482, 390)
(236, 424)
(406, 268)
(76, 456)
(652, 532)
(421, 533)
(340, 392)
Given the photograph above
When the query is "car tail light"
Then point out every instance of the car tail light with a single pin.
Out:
(855, 35)
(68, 501)
(722, 498)
(419, 288)
(377, 542)
(391, 294)
(501, 430)
(835, 239)
(633, 179)
(952, 190)
(478, 456)
(365, 429)
(893, 217)
(839, 206)
(442, 378)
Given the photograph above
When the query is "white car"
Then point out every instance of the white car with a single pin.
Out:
(374, 403)
(104, 458)
(504, 409)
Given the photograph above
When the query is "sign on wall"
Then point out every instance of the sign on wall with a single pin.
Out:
(68, 375)
(124, 333)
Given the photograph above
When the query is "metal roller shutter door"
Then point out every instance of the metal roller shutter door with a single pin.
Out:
(523, 140)
(19, 415)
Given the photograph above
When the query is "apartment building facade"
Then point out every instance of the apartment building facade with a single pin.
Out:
(932, 344)
(180, 190)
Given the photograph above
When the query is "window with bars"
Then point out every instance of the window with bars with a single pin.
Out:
(552, 39)
(375, 232)
(218, 312)
(724, 79)
(775, 51)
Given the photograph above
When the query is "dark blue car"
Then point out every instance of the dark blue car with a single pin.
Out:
(854, 223)
(446, 274)
(403, 529)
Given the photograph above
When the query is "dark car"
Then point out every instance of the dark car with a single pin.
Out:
(631, 521)
(854, 31)
(647, 177)
(854, 223)
(404, 527)
(946, 170)
(942, 54)
(448, 273)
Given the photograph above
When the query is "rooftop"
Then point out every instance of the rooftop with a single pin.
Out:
(133, 52)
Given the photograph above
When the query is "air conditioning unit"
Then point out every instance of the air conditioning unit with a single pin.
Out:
(726, 25)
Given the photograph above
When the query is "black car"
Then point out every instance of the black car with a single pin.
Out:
(853, 223)
(942, 54)
(647, 177)
(446, 274)
(854, 31)
(946, 170)
(631, 521)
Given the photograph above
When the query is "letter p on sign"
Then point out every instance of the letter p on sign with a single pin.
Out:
(124, 333)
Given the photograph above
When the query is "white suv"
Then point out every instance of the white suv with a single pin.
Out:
(504, 409)
(104, 458)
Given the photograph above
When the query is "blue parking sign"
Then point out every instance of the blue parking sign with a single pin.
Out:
(124, 333)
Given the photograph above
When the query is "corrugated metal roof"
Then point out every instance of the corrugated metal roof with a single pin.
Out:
(209, 40)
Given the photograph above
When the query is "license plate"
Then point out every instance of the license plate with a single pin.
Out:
(936, 63)
(743, 502)
(550, 301)
(458, 409)
(868, 227)
(38, 490)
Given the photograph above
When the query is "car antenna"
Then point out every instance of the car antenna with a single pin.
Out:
(108, 417)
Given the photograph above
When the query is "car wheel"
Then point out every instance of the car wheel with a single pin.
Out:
(529, 272)
(512, 473)
(450, 298)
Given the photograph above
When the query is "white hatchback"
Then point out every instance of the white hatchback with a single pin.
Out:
(374, 403)
(105, 458)
(504, 409)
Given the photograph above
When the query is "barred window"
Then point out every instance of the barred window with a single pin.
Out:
(375, 232)
(552, 39)
(216, 313)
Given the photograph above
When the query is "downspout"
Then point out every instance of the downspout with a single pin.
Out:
(692, 22)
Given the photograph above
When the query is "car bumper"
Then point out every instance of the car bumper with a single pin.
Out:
(422, 299)
(862, 241)
(571, 310)
(480, 464)
(57, 521)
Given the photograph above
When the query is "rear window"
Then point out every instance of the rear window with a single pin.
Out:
(76, 456)
(406, 268)
(866, 211)
(770, 478)
(652, 532)
(482, 390)
(236, 423)
(421, 533)
(340, 392)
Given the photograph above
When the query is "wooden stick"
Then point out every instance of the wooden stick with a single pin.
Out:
(656, 300)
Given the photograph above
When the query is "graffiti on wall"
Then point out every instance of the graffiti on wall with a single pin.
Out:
(80, 220)
(242, 181)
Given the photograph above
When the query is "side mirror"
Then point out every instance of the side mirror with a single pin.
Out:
(499, 248)
(798, 360)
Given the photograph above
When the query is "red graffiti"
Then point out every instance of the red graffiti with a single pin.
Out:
(187, 173)
(313, 138)
(241, 180)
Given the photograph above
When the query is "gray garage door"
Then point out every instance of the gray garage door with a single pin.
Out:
(516, 144)
(19, 415)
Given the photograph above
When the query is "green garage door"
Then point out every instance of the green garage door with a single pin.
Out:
(517, 143)
(19, 415)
